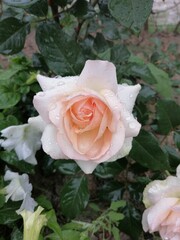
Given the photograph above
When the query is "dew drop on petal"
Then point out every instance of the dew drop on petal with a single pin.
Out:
(128, 118)
(57, 117)
(131, 96)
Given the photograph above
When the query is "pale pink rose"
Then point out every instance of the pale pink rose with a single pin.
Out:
(162, 200)
(88, 117)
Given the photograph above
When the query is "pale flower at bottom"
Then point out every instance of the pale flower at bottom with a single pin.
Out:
(162, 200)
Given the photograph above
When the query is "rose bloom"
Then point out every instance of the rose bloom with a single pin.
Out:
(162, 200)
(88, 117)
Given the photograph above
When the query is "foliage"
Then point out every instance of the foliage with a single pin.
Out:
(68, 33)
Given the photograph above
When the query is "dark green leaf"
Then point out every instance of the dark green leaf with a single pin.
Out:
(119, 54)
(62, 54)
(177, 138)
(66, 167)
(131, 224)
(146, 94)
(131, 13)
(12, 159)
(112, 191)
(16, 234)
(108, 170)
(8, 121)
(13, 34)
(174, 156)
(8, 213)
(40, 8)
(74, 197)
(168, 115)
(148, 153)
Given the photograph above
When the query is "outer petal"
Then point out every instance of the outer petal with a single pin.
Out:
(47, 83)
(28, 204)
(158, 213)
(49, 143)
(37, 123)
(159, 189)
(98, 75)
(87, 166)
(127, 95)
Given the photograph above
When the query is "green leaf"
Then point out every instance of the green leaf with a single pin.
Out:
(168, 116)
(177, 138)
(116, 233)
(62, 54)
(70, 234)
(9, 97)
(74, 197)
(174, 156)
(148, 153)
(20, 3)
(66, 167)
(114, 216)
(118, 204)
(131, 13)
(8, 213)
(8, 121)
(13, 35)
(163, 85)
(53, 224)
(44, 202)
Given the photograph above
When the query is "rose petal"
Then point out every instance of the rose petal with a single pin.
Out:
(98, 75)
(48, 83)
(49, 143)
(127, 95)
(159, 212)
(87, 166)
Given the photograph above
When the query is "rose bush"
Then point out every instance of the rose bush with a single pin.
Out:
(162, 200)
(88, 117)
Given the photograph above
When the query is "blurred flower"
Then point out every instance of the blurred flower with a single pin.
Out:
(24, 139)
(88, 117)
(33, 223)
(162, 200)
(18, 189)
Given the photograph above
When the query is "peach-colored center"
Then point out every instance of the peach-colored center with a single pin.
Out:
(86, 121)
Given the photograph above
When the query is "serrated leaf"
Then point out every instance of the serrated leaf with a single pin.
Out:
(62, 54)
(131, 13)
(9, 97)
(74, 197)
(118, 204)
(13, 35)
(116, 233)
(168, 115)
(148, 153)
(163, 85)
(114, 216)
